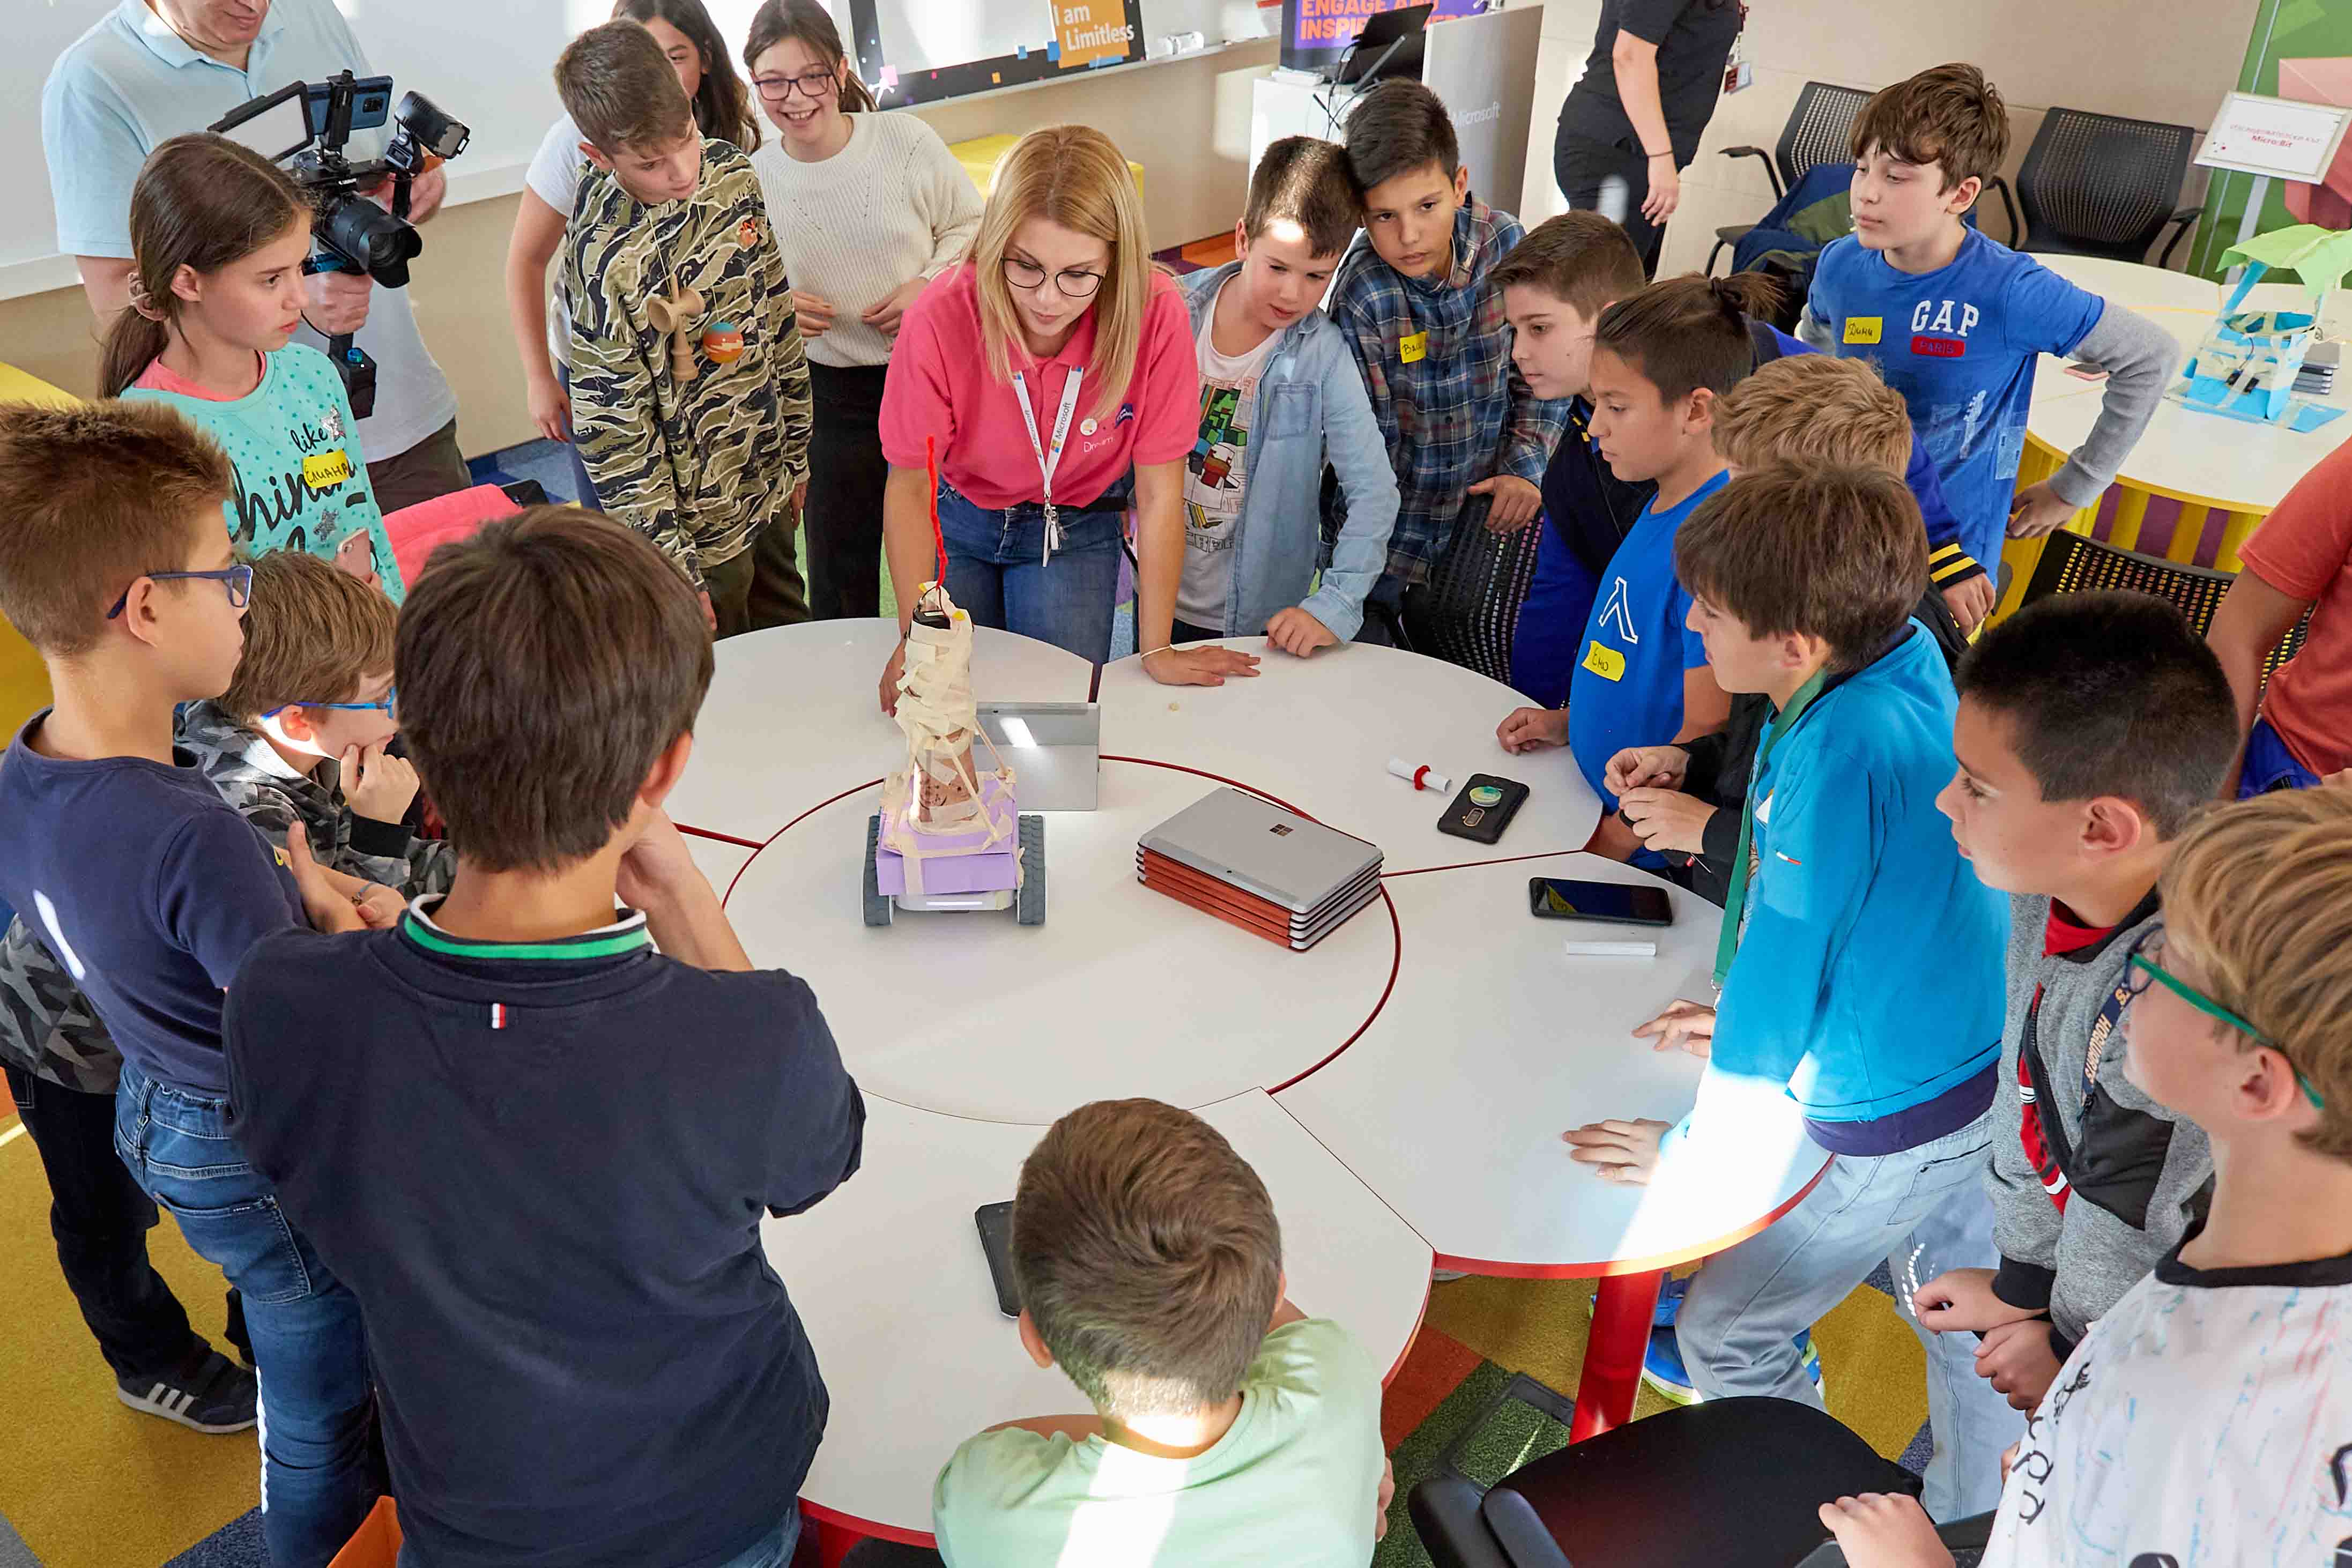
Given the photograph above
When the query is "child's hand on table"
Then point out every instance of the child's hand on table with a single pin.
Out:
(376, 784)
(1962, 1301)
(1625, 1151)
(2038, 511)
(1297, 632)
(1532, 730)
(1516, 502)
(1690, 1025)
(1878, 1530)
(1202, 665)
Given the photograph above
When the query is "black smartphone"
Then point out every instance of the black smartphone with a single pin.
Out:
(995, 1222)
(1619, 903)
(1484, 809)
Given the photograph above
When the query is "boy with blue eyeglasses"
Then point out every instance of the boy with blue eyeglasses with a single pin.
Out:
(1280, 394)
(151, 892)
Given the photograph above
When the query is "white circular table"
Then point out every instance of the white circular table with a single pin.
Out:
(1401, 1087)
(2205, 462)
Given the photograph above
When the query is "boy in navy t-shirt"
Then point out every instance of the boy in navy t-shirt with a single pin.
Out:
(529, 1129)
(151, 891)
(1956, 322)
(1659, 361)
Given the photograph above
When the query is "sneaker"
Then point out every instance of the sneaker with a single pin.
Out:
(1663, 1371)
(1670, 1302)
(1446, 1276)
(215, 1395)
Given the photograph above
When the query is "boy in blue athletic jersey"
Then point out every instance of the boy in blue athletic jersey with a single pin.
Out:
(1659, 361)
(1955, 321)
(1861, 963)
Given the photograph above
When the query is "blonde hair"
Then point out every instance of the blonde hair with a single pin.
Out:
(2261, 893)
(1074, 176)
(1814, 408)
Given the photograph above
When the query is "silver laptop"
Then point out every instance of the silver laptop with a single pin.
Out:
(1054, 750)
(1263, 849)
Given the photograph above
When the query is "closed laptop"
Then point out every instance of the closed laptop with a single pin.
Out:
(1262, 849)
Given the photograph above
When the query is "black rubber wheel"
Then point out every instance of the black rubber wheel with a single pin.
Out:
(1029, 904)
(877, 905)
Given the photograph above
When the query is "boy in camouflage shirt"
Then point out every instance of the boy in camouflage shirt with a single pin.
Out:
(690, 386)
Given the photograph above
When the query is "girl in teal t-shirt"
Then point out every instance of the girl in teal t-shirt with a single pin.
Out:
(219, 235)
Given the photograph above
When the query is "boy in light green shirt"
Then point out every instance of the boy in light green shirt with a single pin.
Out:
(1148, 1254)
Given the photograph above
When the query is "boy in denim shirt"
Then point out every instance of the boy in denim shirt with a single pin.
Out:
(1279, 392)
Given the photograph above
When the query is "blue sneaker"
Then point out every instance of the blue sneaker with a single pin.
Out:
(1670, 1302)
(1663, 1371)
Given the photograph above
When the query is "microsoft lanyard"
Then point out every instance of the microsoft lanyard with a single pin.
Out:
(1735, 903)
(1049, 460)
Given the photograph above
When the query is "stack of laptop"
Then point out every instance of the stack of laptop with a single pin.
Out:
(1250, 862)
(2316, 378)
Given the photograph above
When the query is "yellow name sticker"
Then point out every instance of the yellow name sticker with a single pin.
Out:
(1606, 662)
(325, 470)
(1413, 349)
(1865, 329)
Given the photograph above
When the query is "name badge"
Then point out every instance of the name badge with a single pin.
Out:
(1606, 662)
(1865, 329)
(1413, 349)
(325, 470)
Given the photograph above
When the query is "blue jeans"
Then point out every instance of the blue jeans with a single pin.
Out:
(993, 570)
(320, 1467)
(2270, 765)
(1924, 1208)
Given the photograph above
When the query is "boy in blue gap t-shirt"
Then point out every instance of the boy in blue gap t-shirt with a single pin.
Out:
(149, 891)
(1956, 322)
(537, 1148)
(1659, 361)
(1860, 964)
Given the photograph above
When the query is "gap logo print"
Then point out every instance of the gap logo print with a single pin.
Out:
(1940, 327)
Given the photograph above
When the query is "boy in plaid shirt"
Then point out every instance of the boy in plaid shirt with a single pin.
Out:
(1467, 438)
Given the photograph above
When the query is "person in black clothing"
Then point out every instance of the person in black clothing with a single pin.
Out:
(1684, 800)
(537, 1148)
(1633, 122)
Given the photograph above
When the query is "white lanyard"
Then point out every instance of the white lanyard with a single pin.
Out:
(1049, 459)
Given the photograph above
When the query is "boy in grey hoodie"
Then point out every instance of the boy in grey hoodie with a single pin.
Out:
(2092, 728)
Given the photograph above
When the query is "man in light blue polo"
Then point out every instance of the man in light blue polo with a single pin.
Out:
(152, 70)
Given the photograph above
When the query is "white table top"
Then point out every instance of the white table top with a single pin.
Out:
(2190, 455)
(791, 717)
(1318, 733)
(889, 1279)
(1122, 991)
(1494, 1043)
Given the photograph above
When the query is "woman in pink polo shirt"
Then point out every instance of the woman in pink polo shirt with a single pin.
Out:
(1056, 370)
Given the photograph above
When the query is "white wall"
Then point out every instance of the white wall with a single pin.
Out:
(2152, 59)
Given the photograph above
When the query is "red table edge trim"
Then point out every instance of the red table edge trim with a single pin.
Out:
(718, 838)
(1649, 1265)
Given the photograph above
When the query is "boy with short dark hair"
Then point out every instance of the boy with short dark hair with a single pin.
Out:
(1229, 1424)
(1685, 799)
(1466, 437)
(2203, 1417)
(1956, 322)
(1802, 582)
(151, 892)
(482, 1145)
(2092, 729)
(1279, 395)
(690, 386)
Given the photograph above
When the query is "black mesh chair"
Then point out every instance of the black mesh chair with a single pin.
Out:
(1819, 130)
(1468, 610)
(1732, 1483)
(2096, 185)
(2076, 563)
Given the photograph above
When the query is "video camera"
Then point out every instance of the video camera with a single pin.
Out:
(351, 234)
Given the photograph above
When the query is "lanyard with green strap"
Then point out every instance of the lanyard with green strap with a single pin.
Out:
(1735, 903)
